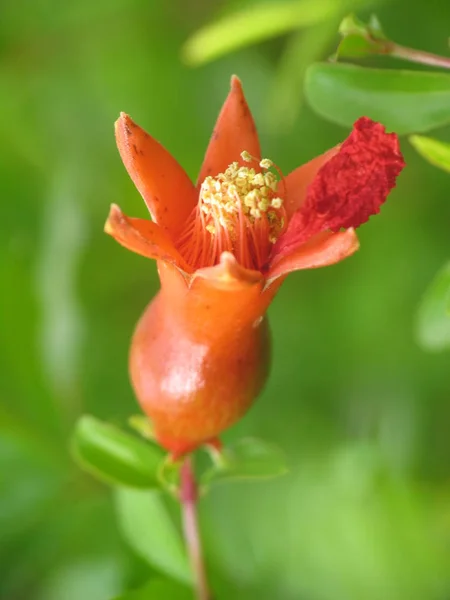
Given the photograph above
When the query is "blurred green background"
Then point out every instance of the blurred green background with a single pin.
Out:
(361, 411)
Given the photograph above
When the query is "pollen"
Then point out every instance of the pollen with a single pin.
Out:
(238, 211)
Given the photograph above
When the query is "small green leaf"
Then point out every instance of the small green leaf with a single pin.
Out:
(169, 475)
(143, 426)
(159, 589)
(150, 531)
(375, 28)
(252, 25)
(435, 152)
(115, 456)
(433, 318)
(355, 46)
(361, 39)
(404, 101)
(249, 458)
(351, 25)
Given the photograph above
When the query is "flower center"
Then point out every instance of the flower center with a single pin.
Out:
(238, 211)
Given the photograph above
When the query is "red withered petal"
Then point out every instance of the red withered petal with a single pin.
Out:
(349, 188)
(234, 132)
(323, 249)
(297, 182)
(167, 190)
(143, 237)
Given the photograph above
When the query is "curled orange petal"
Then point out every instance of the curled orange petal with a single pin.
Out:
(234, 132)
(167, 190)
(326, 248)
(143, 237)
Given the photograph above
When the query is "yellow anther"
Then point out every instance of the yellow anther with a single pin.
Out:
(276, 202)
(266, 163)
(241, 193)
(258, 179)
(271, 181)
(246, 156)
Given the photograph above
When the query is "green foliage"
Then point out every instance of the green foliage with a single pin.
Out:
(396, 98)
(345, 364)
(149, 529)
(286, 98)
(251, 25)
(433, 318)
(355, 503)
(114, 456)
(361, 39)
(142, 425)
(247, 459)
(435, 152)
(159, 589)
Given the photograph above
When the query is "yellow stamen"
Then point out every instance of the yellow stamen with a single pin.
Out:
(240, 213)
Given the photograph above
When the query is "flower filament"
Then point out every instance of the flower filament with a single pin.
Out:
(238, 211)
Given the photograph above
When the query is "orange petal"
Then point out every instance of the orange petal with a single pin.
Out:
(234, 132)
(167, 191)
(143, 237)
(296, 183)
(323, 249)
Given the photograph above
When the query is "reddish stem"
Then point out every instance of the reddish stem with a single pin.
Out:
(419, 56)
(188, 500)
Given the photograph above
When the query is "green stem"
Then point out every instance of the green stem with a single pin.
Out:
(188, 500)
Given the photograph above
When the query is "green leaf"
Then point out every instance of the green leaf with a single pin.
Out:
(404, 101)
(435, 152)
(114, 456)
(361, 39)
(159, 589)
(150, 531)
(433, 318)
(254, 24)
(169, 475)
(143, 426)
(249, 458)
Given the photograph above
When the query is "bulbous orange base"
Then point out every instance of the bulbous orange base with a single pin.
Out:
(195, 376)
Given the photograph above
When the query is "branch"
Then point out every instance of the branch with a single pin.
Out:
(188, 500)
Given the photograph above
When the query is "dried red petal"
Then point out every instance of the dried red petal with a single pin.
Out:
(350, 187)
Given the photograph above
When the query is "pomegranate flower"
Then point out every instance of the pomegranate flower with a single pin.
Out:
(200, 352)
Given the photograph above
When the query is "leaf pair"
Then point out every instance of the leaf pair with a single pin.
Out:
(121, 459)
(140, 471)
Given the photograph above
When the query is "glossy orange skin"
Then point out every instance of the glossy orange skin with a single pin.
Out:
(199, 357)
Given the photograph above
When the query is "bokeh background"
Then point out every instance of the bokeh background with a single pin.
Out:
(360, 409)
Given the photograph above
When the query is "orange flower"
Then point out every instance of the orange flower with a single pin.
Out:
(200, 353)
